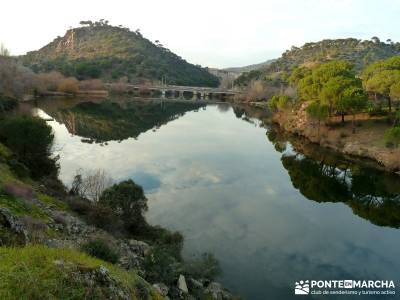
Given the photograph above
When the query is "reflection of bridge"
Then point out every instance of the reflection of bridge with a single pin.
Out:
(176, 91)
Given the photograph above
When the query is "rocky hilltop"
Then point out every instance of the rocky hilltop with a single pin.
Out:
(99, 50)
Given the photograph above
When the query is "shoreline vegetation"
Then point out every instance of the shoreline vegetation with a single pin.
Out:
(367, 143)
(354, 115)
(349, 105)
(91, 239)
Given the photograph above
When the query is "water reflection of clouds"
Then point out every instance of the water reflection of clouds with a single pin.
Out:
(220, 181)
(194, 174)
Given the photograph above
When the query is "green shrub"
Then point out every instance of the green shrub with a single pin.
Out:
(392, 136)
(105, 218)
(280, 102)
(317, 111)
(161, 266)
(283, 102)
(79, 205)
(207, 266)
(19, 168)
(30, 138)
(99, 248)
(128, 201)
(163, 238)
(96, 214)
(273, 103)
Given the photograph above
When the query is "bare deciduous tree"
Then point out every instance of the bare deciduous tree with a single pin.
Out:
(69, 85)
(91, 184)
(15, 79)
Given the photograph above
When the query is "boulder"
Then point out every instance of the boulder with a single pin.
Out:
(130, 261)
(13, 233)
(182, 284)
(102, 277)
(216, 291)
(139, 247)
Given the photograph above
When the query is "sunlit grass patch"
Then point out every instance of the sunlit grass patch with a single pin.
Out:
(20, 207)
(38, 272)
(52, 202)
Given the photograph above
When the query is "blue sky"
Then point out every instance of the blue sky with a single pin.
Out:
(212, 33)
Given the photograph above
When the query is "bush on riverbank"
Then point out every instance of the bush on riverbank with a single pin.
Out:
(30, 138)
(119, 209)
(128, 201)
(100, 249)
(18, 81)
(280, 102)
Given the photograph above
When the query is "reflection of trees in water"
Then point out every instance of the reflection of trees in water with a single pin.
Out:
(251, 114)
(315, 180)
(372, 194)
(111, 121)
(223, 107)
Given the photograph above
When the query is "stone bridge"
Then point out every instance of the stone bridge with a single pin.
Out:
(176, 91)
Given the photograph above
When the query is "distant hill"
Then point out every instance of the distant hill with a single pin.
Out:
(228, 76)
(99, 50)
(250, 67)
(359, 52)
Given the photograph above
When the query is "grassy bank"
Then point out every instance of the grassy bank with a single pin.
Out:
(38, 272)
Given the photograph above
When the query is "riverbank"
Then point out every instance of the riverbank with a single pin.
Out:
(367, 142)
(69, 247)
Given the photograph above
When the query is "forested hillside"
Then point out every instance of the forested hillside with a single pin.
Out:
(99, 50)
(358, 52)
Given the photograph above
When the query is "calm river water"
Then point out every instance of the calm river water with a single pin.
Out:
(272, 211)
